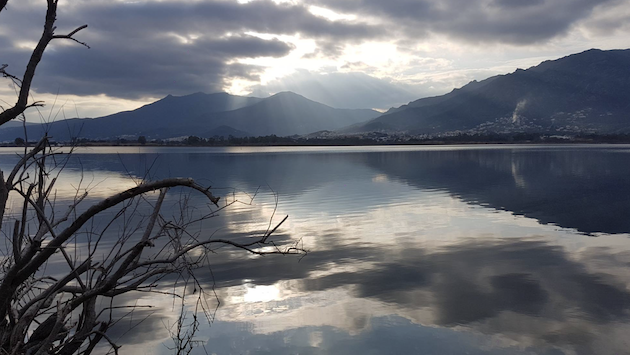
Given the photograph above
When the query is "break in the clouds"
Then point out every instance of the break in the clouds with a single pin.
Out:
(342, 90)
(352, 53)
(158, 48)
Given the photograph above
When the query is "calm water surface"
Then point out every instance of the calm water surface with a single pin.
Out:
(429, 250)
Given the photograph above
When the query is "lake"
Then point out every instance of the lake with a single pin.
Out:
(412, 250)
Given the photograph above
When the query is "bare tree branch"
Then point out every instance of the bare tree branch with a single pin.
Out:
(44, 313)
(36, 57)
(69, 36)
(53, 245)
(25, 82)
(41, 145)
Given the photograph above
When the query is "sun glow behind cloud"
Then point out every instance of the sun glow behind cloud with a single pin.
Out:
(276, 68)
(329, 14)
(425, 48)
(383, 57)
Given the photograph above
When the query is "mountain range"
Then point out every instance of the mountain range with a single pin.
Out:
(203, 115)
(588, 92)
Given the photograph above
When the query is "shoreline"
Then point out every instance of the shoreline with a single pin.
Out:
(378, 144)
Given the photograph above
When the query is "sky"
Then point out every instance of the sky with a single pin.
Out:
(344, 53)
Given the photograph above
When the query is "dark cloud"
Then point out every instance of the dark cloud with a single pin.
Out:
(503, 21)
(153, 48)
(152, 68)
(150, 49)
(327, 49)
(517, 3)
(218, 17)
(149, 68)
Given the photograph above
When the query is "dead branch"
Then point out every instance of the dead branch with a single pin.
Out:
(69, 36)
(25, 82)
(44, 313)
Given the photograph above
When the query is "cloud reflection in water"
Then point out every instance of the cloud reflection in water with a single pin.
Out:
(419, 251)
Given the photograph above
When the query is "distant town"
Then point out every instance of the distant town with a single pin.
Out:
(329, 139)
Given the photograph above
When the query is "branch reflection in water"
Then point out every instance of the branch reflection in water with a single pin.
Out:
(412, 250)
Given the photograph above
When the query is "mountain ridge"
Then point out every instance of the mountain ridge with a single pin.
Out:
(285, 113)
(297, 115)
(587, 92)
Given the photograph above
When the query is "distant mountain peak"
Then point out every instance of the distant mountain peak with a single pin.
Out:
(287, 113)
(200, 114)
(288, 94)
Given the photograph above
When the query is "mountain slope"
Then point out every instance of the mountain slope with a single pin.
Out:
(168, 117)
(205, 115)
(287, 113)
(585, 92)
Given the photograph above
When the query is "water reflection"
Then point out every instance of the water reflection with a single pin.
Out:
(532, 312)
(585, 189)
(529, 293)
(438, 250)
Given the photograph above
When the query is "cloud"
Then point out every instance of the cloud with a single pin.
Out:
(501, 21)
(130, 69)
(610, 19)
(340, 90)
(161, 67)
(150, 49)
(147, 49)
(513, 288)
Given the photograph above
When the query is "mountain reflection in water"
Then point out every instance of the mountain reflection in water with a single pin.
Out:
(446, 250)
